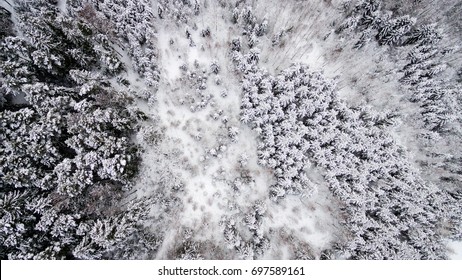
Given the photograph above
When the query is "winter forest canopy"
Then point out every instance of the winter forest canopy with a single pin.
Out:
(201, 129)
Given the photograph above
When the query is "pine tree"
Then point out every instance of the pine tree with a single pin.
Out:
(65, 154)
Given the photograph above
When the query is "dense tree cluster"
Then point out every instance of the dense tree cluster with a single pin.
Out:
(425, 61)
(300, 120)
(424, 78)
(178, 10)
(65, 151)
(243, 232)
(437, 97)
(366, 16)
(128, 24)
(389, 212)
(6, 25)
(276, 108)
(252, 27)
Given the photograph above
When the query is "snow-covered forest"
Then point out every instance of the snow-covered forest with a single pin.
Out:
(230, 129)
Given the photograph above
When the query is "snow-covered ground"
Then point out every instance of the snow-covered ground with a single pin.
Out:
(215, 99)
(215, 185)
(202, 176)
(455, 250)
(62, 5)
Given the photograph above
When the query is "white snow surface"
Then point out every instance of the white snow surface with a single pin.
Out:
(187, 153)
(455, 250)
(197, 153)
(62, 6)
